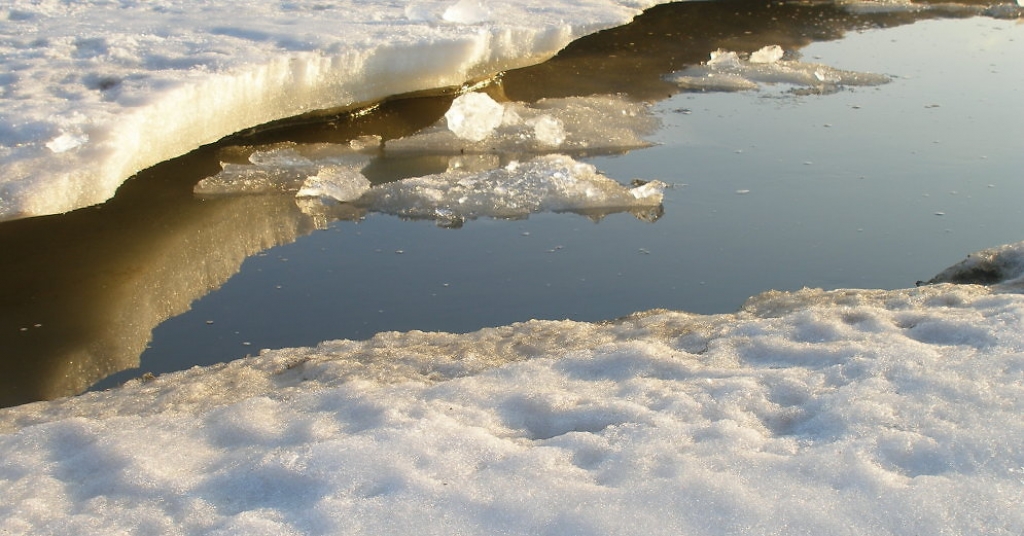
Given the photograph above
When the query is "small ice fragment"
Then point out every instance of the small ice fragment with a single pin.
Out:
(341, 183)
(467, 12)
(724, 59)
(548, 130)
(652, 189)
(474, 116)
(66, 142)
(742, 192)
(768, 54)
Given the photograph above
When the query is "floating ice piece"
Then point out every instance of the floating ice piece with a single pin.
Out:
(767, 54)
(551, 183)
(340, 183)
(474, 116)
(281, 170)
(604, 123)
(548, 130)
(727, 71)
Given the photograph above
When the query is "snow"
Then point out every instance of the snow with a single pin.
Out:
(808, 412)
(93, 91)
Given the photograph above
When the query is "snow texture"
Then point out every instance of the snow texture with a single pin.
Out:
(811, 412)
(93, 91)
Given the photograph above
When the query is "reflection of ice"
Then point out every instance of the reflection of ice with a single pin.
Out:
(729, 71)
(552, 183)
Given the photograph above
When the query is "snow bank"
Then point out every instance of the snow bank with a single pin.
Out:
(729, 71)
(94, 91)
(811, 412)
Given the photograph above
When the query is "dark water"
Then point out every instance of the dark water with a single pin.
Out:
(868, 187)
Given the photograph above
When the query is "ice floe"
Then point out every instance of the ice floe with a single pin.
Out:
(730, 71)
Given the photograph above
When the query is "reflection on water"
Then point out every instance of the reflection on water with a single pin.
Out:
(84, 291)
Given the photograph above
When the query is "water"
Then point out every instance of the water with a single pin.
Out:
(869, 188)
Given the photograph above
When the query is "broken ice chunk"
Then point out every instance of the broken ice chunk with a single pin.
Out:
(548, 130)
(727, 71)
(552, 183)
(768, 54)
(474, 116)
(340, 183)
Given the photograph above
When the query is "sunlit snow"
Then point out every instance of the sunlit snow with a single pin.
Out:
(93, 91)
(843, 412)
(858, 412)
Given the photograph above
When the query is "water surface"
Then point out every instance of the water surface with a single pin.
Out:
(867, 187)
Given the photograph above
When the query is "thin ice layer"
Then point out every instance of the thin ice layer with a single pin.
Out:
(807, 412)
(93, 91)
(730, 71)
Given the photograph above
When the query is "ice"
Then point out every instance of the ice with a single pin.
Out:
(474, 186)
(550, 183)
(591, 125)
(1002, 266)
(93, 91)
(474, 116)
(728, 71)
(811, 412)
(498, 175)
(768, 54)
(283, 170)
(339, 183)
